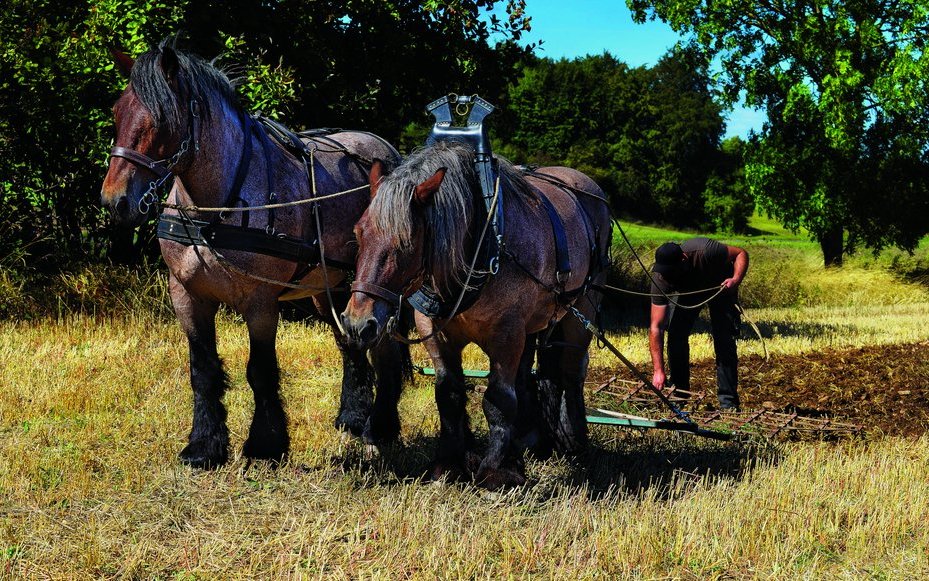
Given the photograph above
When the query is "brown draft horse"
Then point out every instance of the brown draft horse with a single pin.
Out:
(183, 111)
(423, 225)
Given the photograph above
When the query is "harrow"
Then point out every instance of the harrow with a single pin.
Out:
(718, 425)
(762, 422)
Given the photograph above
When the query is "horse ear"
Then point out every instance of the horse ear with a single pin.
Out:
(424, 191)
(124, 62)
(375, 176)
(169, 62)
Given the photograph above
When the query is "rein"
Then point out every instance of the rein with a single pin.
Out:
(569, 187)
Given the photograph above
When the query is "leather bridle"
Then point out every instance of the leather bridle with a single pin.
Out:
(162, 168)
(395, 300)
(378, 292)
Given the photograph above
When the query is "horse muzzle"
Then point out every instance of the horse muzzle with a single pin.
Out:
(125, 211)
(362, 332)
(372, 311)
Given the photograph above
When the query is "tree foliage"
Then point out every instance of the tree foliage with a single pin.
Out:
(727, 202)
(844, 148)
(650, 136)
(353, 63)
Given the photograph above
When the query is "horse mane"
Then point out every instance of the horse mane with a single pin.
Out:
(202, 79)
(450, 213)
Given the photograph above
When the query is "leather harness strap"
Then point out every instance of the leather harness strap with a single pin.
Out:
(562, 257)
(377, 291)
(241, 171)
(191, 232)
(140, 159)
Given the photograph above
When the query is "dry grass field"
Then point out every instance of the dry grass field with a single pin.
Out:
(95, 406)
(94, 410)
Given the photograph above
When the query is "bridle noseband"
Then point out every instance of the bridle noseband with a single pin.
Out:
(395, 300)
(162, 167)
(378, 292)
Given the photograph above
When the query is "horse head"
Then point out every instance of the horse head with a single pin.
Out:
(391, 257)
(157, 125)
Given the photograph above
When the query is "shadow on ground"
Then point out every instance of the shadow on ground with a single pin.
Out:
(617, 461)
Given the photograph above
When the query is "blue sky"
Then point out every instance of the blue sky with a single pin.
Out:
(574, 29)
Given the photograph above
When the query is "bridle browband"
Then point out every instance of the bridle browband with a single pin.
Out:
(163, 167)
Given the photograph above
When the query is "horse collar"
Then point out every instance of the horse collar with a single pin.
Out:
(474, 134)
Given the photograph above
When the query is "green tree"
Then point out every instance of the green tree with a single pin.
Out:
(844, 150)
(649, 136)
(371, 65)
(727, 201)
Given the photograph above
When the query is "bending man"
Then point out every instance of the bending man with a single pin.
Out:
(697, 264)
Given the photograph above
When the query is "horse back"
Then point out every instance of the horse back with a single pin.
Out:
(579, 201)
(361, 146)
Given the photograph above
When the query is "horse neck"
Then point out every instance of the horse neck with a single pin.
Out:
(446, 272)
(210, 177)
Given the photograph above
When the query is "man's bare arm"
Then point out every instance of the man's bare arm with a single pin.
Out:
(739, 259)
(656, 331)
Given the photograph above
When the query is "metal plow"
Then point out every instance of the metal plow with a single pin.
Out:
(761, 422)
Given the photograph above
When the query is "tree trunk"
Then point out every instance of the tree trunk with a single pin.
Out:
(833, 246)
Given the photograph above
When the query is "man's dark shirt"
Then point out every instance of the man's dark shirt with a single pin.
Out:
(707, 265)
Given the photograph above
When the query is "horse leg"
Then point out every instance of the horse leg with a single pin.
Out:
(527, 432)
(562, 370)
(357, 397)
(455, 437)
(267, 437)
(501, 467)
(208, 442)
(390, 360)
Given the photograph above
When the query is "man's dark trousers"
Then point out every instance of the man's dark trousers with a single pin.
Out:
(725, 321)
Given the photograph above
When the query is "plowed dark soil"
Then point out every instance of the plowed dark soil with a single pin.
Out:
(882, 388)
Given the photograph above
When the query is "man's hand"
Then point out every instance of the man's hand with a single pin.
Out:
(731, 283)
(658, 379)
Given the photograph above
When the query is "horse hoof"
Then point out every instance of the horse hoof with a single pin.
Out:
(351, 424)
(275, 458)
(370, 452)
(196, 457)
(499, 479)
(273, 454)
(472, 462)
(382, 428)
(442, 472)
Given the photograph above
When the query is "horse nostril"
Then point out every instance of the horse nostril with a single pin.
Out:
(122, 205)
(368, 333)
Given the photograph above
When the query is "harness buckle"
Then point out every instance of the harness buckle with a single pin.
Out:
(195, 123)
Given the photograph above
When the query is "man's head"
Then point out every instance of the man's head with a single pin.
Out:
(670, 260)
